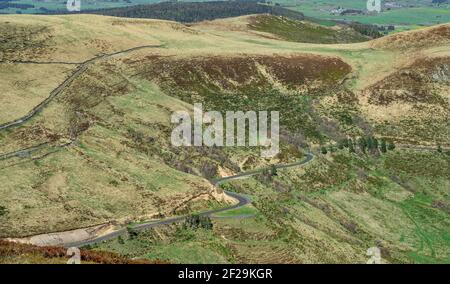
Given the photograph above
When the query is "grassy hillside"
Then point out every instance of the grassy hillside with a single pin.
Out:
(99, 151)
(292, 30)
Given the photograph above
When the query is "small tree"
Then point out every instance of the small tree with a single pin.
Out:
(120, 240)
(439, 149)
(3, 211)
(206, 223)
(375, 143)
(132, 233)
(266, 176)
(362, 144)
(198, 222)
(273, 170)
(351, 148)
(346, 142)
(391, 146)
(383, 146)
(370, 143)
(323, 150)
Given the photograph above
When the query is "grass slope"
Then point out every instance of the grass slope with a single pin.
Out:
(300, 31)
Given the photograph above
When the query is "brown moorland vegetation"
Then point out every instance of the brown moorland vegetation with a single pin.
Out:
(415, 39)
(11, 251)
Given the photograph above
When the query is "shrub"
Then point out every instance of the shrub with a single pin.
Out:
(362, 144)
(198, 222)
(341, 145)
(132, 233)
(383, 146)
(273, 170)
(345, 142)
(351, 148)
(3, 211)
(391, 146)
(375, 143)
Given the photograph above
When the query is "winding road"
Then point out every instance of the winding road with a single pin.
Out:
(242, 201)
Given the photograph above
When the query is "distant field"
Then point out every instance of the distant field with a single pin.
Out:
(404, 16)
(411, 14)
(85, 5)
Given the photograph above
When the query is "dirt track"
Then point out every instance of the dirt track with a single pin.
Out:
(78, 71)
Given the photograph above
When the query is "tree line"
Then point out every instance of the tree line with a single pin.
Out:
(372, 31)
(188, 12)
(363, 144)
